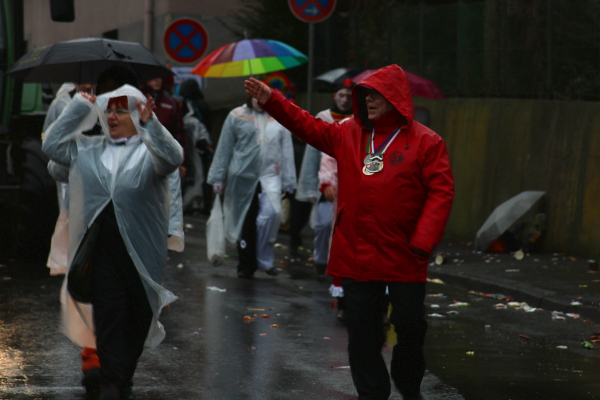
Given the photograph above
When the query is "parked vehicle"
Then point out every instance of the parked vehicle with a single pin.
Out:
(28, 197)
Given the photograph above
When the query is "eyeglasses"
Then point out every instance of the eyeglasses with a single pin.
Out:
(117, 111)
(374, 94)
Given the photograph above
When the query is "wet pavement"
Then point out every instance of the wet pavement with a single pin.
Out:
(552, 281)
(278, 337)
(227, 338)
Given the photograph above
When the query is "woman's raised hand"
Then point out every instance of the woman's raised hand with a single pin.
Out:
(146, 111)
(90, 97)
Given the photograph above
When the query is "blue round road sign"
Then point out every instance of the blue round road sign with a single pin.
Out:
(312, 10)
(185, 40)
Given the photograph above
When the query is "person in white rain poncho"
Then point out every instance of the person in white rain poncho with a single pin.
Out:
(57, 259)
(120, 181)
(254, 159)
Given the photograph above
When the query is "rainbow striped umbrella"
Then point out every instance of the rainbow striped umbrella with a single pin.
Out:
(249, 57)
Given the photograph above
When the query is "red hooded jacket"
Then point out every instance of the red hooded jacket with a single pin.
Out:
(380, 217)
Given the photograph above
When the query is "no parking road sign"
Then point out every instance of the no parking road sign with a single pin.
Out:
(185, 40)
(312, 10)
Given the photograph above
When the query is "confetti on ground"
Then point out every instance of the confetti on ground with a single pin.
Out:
(216, 289)
(256, 309)
(435, 315)
(274, 326)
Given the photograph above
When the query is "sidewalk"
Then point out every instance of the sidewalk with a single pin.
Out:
(554, 282)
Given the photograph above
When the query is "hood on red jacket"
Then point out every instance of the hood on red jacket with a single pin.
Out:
(392, 83)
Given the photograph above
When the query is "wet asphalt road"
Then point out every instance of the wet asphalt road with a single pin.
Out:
(227, 338)
(278, 338)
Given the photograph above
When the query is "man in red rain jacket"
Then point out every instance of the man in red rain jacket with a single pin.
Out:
(395, 191)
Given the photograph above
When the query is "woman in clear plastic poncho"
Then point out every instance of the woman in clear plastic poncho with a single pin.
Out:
(120, 180)
(253, 149)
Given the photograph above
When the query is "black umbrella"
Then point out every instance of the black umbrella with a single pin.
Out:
(338, 75)
(84, 60)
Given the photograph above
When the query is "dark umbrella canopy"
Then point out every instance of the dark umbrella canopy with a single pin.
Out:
(338, 75)
(84, 60)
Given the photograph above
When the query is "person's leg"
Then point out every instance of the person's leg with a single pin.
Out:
(366, 337)
(110, 319)
(92, 376)
(265, 223)
(408, 318)
(246, 246)
(322, 236)
(296, 225)
(138, 325)
(207, 191)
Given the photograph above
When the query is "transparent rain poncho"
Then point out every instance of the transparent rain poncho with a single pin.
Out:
(253, 148)
(134, 176)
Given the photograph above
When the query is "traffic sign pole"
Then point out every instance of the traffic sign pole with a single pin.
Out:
(311, 11)
(311, 41)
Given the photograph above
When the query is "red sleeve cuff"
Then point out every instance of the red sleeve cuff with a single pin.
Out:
(323, 186)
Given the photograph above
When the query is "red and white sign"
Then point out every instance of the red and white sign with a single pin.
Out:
(312, 10)
(185, 40)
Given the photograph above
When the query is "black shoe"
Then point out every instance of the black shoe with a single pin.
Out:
(127, 393)
(320, 268)
(412, 396)
(92, 381)
(245, 275)
(272, 272)
(110, 392)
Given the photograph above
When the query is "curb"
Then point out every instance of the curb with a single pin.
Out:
(538, 298)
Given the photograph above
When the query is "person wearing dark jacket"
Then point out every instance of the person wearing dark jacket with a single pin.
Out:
(395, 192)
(197, 122)
(169, 115)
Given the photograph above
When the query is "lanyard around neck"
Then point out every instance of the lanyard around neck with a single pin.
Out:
(386, 142)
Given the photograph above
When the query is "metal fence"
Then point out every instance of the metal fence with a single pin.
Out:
(547, 49)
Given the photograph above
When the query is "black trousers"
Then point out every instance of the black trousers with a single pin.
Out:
(122, 314)
(246, 246)
(299, 216)
(366, 337)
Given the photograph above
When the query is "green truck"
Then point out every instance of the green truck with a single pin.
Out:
(28, 195)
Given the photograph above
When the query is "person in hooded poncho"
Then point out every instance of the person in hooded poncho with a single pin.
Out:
(119, 180)
(395, 192)
(57, 258)
(196, 119)
(254, 160)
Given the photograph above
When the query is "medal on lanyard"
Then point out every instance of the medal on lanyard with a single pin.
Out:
(374, 160)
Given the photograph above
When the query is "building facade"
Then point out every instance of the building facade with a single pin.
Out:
(142, 21)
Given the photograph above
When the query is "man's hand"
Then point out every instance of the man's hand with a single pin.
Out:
(218, 187)
(146, 111)
(258, 90)
(330, 193)
(420, 252)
